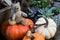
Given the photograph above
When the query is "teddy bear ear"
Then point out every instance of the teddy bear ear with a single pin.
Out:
(18, 2)
(17, 5)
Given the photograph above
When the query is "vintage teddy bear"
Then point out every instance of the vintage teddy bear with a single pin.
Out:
(16, 14)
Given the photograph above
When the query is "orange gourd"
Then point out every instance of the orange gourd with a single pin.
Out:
(32, 35)
(13, 31)
(22, 30)
(37, 36)
(28, 22)
(4, 26)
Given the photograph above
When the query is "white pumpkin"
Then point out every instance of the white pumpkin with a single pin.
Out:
(48, 31)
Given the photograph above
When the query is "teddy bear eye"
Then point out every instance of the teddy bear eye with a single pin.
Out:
(17, 8)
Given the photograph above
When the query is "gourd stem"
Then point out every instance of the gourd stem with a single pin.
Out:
(32, 32)
(46, 24)
(33, 29)
(46, 21)
(32, 37)
(39, 25)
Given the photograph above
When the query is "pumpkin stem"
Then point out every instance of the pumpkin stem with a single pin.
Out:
(32, 37)
(46, 21)
(30, 33)
(46, 24)
(38, 25)
(32, 29)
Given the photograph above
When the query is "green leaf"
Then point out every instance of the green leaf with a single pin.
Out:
(49, 14)
(41, 11)
(46, 8)
(58, 9)
(44, 0)
(50, 10)
(30, 9)
(42, 3)
(47, 11)
(39, 15)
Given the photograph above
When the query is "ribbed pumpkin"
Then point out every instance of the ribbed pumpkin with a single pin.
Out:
(4, 26)
(49, 29)
(13, 31)
(27, 22)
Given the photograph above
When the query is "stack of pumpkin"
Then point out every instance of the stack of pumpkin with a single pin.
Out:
(27, 30)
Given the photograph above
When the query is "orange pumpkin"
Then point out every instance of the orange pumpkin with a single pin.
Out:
(28, 22)
(22, 30)
(32, 35)
(37, 36)
(14, 31)
(4, 26)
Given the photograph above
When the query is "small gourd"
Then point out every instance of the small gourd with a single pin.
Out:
(13, 31)
(49, 29)
(32, 35)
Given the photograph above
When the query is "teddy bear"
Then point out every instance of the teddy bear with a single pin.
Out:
(16, 14)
